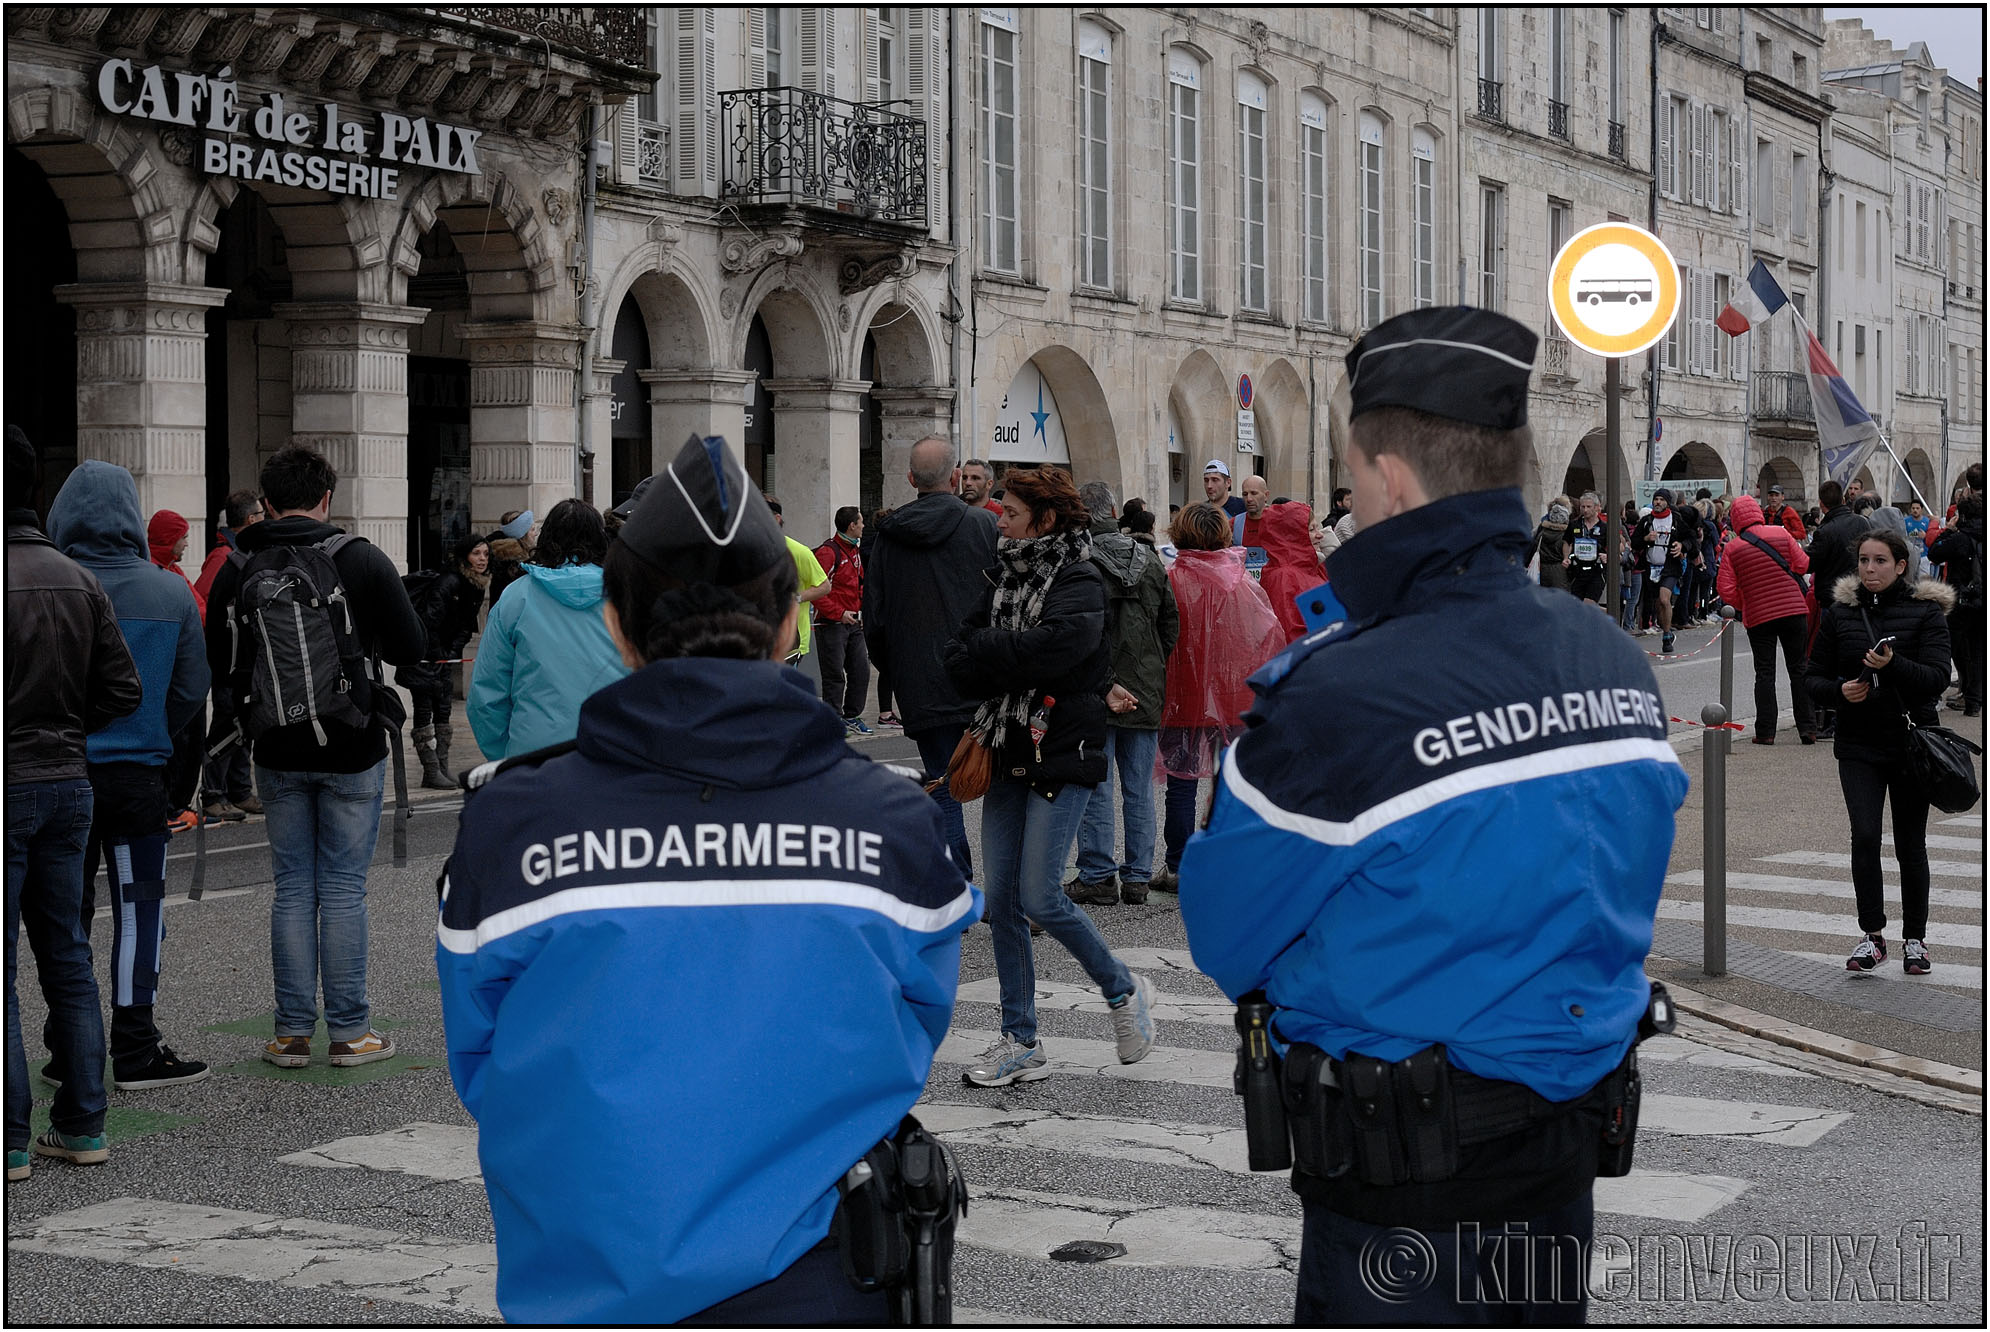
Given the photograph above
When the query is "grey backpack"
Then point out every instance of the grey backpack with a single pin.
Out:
(297, 658)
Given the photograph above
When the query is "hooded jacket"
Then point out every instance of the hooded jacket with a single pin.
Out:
(224, 546)
(161, 535)
(544, 650)
(386, 625)
(1911, 685)
(1293, 567)
(1228, 630)
(95, 521)
(1959, 550)
(1142, 624)
(1749, 580)
(1392, 792)
(779, 919)
(926, 574)
(68, 670)
(448, 609)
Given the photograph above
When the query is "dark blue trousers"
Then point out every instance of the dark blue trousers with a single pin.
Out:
(1477, 1274)
(813, 1291)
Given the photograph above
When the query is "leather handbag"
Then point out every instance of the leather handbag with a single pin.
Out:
(1938, 762)
(969, 771)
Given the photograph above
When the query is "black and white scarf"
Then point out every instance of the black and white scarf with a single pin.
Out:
(1027, 567)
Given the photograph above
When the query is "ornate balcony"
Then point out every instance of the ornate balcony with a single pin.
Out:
(1556, 356)
(653, 154)
(1558, 120)
(1491, 99)
(790, 146)
(1783, 395)
(1617, 139)
(610, 32)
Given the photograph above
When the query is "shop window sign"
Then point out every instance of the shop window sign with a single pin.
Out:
(296, 136)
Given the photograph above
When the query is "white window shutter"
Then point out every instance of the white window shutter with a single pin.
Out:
(1692, 312)
(867, 38)
(755, 21)
(808, 36)
(832, 23)
(623, 134)
(1736, 167)
(1783, 187)
(695, 101)
(923, 78)
(1697, 153)
(1666, 185)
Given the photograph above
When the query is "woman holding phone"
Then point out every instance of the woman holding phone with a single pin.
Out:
(1881, 657)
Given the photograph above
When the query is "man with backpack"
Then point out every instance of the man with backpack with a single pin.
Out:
(302, 624)
(95, 521)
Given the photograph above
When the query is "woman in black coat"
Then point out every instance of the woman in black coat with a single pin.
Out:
(1882, 656)
(448, 607)
(1037, 653)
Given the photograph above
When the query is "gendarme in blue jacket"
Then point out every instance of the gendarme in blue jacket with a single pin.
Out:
(1449, 820)
(96, 522)
(713, 951)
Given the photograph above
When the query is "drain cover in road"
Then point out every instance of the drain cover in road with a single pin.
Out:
(1087, 1251)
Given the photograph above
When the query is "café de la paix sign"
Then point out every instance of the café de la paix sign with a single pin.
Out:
(298, 138)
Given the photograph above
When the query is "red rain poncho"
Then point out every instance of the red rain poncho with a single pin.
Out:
(1228, 631)
(1285, 533)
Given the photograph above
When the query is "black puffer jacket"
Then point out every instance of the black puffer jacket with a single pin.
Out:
(1916, 616)
(1961, 549)
(448, 609)
(924, 575)
(1066, 657)
(1831, 553)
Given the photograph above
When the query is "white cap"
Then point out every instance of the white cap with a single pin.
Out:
(1218, 466)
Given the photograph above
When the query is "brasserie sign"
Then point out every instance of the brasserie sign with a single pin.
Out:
(303, 135)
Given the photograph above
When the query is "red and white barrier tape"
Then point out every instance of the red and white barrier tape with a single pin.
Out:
(1681, 656)
(1702, 726)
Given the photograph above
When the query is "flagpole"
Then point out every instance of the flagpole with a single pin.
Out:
(1885, 443)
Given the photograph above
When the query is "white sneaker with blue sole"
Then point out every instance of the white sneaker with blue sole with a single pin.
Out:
(1007, 1061)
(1133, 1022)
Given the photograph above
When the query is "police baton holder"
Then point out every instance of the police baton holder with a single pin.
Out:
(1257, 1079)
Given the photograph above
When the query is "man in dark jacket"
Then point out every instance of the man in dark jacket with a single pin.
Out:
(230, 778)
(68, 673)
(1961, 549)
(322, 798)
(1141, 626)
(926, 576)
(1833, 554)
(95, 521)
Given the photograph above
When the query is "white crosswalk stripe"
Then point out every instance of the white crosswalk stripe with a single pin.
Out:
(1776, 883)
(1814, 922)
(1953, 869)
(1963, 821)
(1939, 842)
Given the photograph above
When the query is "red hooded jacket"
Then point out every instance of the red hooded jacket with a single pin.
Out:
(162, 534)
(1750, 580)
(1228, 630)
(1285, 533)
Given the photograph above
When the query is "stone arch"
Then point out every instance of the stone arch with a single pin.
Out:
(1784, 471)
(328, 240)
(120, 233)
(1288, 445)
(1588, 467)
(680, 316)
(1198, 392)
(506, 251)
(798, 322)
(1695, 459)
(1090, 433)
(910, 350)
(1921, 468)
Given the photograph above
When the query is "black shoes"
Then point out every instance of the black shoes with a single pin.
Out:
(163, 1069)
(1103, 893)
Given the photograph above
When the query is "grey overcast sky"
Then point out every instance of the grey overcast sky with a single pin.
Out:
(1954, 33)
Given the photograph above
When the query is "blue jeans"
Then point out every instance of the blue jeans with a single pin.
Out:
(1180, 819)
(936, 750)
(48, 824)
(323, 827)
(1132, 753)
(1024, 840)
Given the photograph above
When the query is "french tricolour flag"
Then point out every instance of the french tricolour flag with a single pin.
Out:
(1759, 297)
(1845, 430)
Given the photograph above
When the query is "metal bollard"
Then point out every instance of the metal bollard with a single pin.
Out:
(1727, 663)
(1713, 879)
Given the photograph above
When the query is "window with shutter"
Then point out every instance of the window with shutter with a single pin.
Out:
(1782, 197)
(925, 84)
(1094, 154)
(1691, 291)
(626, 140)
(1185, 174)
(1252, 205)
(1423, 190)
(870, 43)
(1737, 173)
(814, 48)
(754, 22)
(694, 135)
(1697, 153)
(1667, 186)
(1313, 203)
(998, 147)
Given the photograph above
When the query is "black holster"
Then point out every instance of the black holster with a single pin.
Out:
(895, 1224)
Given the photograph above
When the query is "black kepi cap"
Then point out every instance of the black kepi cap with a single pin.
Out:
(702, 522)
(1456, 361)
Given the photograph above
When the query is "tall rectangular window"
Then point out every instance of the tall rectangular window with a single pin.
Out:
(1492, 246)
(1184, 176)
(1558, 54)
(1313, 203)
(1799, 195)
(998, 144)
(1561, 226)
(1765, 185)
(1094, 155)
(1859, 221)
(1719, 344)
(1423, 239)
(1252, 205)
(1616, 66)
(888, 47)
(1715, 192)
(1371, 220)
(1489, 40)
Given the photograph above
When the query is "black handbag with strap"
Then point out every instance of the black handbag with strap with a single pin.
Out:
(1936, 758)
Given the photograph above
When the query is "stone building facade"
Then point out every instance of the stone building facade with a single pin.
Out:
(232, 228)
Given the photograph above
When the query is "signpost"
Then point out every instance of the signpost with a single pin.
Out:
(1614, 291)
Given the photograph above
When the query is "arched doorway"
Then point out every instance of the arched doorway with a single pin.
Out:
(439, 464)
(1781, 471)
(1199, 403)
(1921, 470)
(1695, 461)
(248, 350)
(630, 421)
(757, 442)
(40, 374)
(1082, 416)
(1283, 411)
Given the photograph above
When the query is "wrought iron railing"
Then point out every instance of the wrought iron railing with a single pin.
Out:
(616, 32)
(1555, 356)
(790, 145)
(1782, 395)
(1558, 119)
(1617, 139)
(1491, 100)
(652, 154)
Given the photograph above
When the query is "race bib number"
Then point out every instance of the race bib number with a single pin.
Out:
(1585, 549)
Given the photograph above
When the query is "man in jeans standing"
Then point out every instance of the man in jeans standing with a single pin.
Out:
(926, 576)
(1141, 626)
(68, 673)
(839, 622)
(321, 796)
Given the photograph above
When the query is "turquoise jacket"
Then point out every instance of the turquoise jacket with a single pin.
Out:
(544, 650)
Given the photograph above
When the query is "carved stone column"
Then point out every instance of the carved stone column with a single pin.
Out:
(141, 386)
(684, 403)
(349, 401)
(910, 415)
(817, 440)
(523, 430)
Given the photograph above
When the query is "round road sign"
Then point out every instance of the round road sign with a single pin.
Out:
(1244, 392)
(1614, 289)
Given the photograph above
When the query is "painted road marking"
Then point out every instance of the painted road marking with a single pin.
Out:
(432, 1151)
(1705, 1117)
(1952, 869)
(1939, 842)
(1193, 1146)
(1667, 1195)
(1217, 1012)
(1813, 922)
(1099, 1059)
(1027, 1224)
(1679, 1050)
(1963, 821)
(1775, 883)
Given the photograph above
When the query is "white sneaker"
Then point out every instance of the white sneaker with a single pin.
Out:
(1133, 1022)
(1007, 1061)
